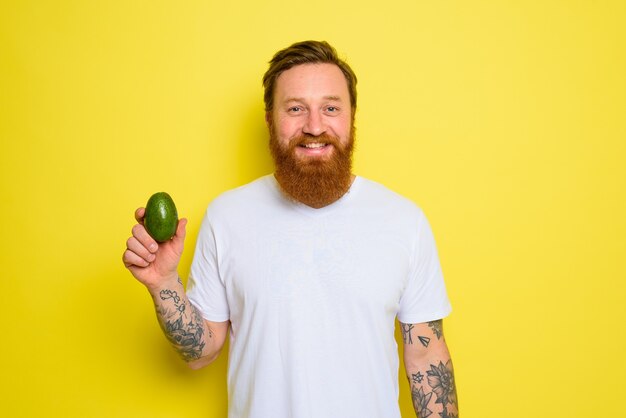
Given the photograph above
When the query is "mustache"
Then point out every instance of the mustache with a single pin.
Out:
(305, 139)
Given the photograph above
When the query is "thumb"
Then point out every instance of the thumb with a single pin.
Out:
(181, 231)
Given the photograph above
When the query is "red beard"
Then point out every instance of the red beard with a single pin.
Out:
(316, 182)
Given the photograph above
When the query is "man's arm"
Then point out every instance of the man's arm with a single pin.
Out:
(197, 341)
(429, 370)
(153, 264)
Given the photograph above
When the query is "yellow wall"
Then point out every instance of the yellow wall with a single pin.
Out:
(504, 120)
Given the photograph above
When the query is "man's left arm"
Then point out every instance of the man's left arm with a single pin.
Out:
(429, 370)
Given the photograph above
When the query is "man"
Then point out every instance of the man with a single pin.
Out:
(307, 269)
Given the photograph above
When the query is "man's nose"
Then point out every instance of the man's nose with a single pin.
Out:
(314, 124)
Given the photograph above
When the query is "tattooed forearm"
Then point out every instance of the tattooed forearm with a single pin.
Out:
(440, 383)
(182, 324)
(429, 370)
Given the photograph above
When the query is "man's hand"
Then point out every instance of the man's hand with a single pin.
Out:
(155, 265)
(151, 263)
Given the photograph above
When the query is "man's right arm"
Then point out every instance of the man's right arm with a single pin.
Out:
(196, 340)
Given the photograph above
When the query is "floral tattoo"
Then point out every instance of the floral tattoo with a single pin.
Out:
(182, 324)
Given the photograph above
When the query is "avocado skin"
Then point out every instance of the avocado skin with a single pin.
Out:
(161, 217)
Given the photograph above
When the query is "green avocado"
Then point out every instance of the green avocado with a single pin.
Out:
(161, 218)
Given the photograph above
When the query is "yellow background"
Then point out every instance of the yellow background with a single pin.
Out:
(504, 120)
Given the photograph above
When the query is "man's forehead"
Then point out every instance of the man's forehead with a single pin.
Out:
(322, 80)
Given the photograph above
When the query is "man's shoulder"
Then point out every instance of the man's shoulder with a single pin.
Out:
(257, 186)
(377, 194)
(243, 197)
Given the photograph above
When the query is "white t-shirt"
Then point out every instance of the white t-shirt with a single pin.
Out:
(312, 296)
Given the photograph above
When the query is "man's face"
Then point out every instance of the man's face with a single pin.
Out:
(311, 133)
(311, 101)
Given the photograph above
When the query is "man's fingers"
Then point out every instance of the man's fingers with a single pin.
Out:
(131, 259)
(139, 214)
(140, 233)
(135, 246)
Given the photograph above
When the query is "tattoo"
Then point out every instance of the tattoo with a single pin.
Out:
(441, 380)
(182, 324)
(437, 327)
(180, 280)
(170, 294)
(406, 333)
(420, 402)
(424, 340)
(435, 392)
(417, 377)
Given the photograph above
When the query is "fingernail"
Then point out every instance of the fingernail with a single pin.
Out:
(151, 257)
(153, 247)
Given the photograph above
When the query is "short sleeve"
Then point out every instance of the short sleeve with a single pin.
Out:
(424, 298)
(205, 287)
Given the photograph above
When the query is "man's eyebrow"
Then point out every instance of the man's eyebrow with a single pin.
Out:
(301, 99)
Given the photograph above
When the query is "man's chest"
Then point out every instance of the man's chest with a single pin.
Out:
(316, 264)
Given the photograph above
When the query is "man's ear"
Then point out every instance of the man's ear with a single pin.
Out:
(268, 119)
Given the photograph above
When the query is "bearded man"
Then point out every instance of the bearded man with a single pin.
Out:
(307, 269)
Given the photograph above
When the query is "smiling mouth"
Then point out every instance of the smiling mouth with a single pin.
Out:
(314, 145)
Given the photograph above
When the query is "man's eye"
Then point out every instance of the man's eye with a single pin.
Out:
(295, 109)
(332, 109)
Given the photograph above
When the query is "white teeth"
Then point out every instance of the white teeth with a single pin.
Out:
(315, 145)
